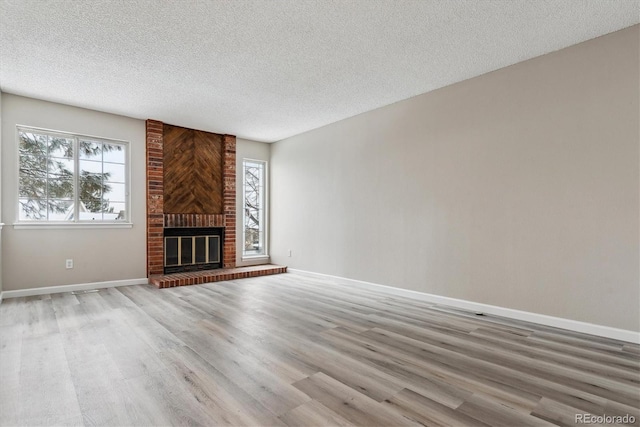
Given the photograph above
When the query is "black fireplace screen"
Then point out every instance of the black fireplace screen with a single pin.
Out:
(192, 249)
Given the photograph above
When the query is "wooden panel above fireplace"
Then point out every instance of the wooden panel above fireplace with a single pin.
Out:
(193, 171)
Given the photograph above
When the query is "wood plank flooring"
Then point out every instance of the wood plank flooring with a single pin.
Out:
(290, 350)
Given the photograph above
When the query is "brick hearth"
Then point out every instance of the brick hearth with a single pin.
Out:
(222, 274)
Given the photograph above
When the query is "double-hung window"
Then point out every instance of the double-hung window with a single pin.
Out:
(69, 178)
(254, 177)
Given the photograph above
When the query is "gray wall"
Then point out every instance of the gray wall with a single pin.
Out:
(36, 258)
(518, 188)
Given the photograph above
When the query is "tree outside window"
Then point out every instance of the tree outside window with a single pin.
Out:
(254, 204)
(71, 178)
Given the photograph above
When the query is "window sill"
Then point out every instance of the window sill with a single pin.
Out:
(68, 226)
(254, 257)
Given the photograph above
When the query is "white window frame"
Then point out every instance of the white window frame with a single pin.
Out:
(76, 222)
(264, 217)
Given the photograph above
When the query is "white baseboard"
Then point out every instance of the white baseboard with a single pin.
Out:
(542, 319)
(70, 288)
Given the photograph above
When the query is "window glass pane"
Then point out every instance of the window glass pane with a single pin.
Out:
(113, 191)
(90, 149)
(32, 209)
(90, 209)
(90, 166)
(60, 147)
(90, 182)
(113, 153)
(113, 172)
(30, 164)
(60, 168)
(114, 211)
(32, 177)
(33, 144)
(61, 188)
(254, 207)
(32, 187)
(59, 210)
(90, 216)
(257, 242)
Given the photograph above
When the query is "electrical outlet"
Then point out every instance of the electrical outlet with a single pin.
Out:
(69, 264)
(289, 252)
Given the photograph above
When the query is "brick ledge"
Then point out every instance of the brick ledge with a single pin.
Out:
(208, 276)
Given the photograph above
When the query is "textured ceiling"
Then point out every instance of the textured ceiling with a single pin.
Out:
(266, 70)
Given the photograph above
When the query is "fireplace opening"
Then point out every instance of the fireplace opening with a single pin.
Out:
(192, 249)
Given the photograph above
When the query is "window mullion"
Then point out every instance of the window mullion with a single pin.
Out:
(76, 180)
(46, 182)
(102, 182)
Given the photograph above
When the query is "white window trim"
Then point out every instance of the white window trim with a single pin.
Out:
(69, 225)
(75, 224)
(265, 213)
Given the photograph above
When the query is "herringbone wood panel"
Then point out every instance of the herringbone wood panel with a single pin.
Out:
(193, 169)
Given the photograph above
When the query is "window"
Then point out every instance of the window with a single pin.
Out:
(71, 178)
(254, 173)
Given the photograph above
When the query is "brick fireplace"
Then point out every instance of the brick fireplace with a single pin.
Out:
(157, 217)
(191, 183)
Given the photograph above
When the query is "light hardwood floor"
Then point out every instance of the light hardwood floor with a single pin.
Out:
(291, 350)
